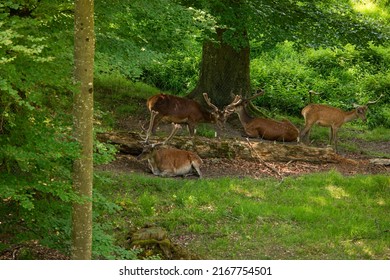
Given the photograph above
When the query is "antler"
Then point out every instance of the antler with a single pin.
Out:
(238, 100)
(369, 102)
(152, 116)
(258, 93)
(373, 102)
(175, 128)
(314, 92)
(311, 92)
(208, 101)
(229, 109)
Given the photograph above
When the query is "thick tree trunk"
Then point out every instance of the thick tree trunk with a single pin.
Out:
(84, 47)
(224, 71)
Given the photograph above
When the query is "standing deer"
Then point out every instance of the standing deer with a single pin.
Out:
(166, 161)
(264, 128)
(332, 117)
(180, 110)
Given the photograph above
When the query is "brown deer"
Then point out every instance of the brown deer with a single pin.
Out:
(167, 161)
(332, 117)
(264, 128)
(181, 110)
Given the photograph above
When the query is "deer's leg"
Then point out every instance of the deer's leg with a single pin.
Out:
(334, 137)
(157, 120)
(196, 166)
(305, 133)
(155, 171)
(191, 128)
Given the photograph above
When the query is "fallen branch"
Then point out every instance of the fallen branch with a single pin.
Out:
(262, 161)
(267, 151)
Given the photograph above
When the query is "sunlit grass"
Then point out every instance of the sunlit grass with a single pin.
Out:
(318, 216)
(376, 134)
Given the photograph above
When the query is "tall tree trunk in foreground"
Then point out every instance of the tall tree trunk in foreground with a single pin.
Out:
(224, 71)
(84, 48)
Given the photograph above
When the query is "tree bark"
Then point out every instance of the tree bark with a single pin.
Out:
(84, 48)
(224, 71)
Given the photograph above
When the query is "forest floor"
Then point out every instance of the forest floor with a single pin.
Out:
(359, 161)
(356, 162)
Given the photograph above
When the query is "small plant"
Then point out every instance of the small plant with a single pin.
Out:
(147, 204)
(205, 130)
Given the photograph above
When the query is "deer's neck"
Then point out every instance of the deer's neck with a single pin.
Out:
(243, 115)
(350, 116)
(207, 116)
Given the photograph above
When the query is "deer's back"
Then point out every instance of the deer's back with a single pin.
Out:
(323, 115)
(272, 130)
(175, 107)
(175, 157)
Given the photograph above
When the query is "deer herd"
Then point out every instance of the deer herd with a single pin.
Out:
(164, 160)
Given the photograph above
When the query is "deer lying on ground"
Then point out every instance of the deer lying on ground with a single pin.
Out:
(166, 161)
(180, 110)
(264, 128)
(332, 117)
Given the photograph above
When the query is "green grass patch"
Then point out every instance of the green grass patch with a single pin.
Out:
(205, 130)
(376, 134)
(120, 96)
(318, 216)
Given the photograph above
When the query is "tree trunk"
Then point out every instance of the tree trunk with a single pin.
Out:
(84, 48)
(224, 71)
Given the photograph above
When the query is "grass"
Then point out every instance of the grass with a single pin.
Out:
(318, 216)
(205, 130)
(120, 96)
(376, 134)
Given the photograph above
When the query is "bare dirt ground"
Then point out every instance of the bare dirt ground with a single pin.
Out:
(355, 163)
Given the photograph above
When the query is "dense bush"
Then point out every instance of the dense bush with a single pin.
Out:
(342, 76)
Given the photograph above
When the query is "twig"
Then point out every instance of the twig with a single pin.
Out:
(262, 161)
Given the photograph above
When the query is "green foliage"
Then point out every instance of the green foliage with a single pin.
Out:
(36, 148)
(342, 76)
(308, 23)
(148, 41)
(36, 144)
(205, 130)
(178, 72)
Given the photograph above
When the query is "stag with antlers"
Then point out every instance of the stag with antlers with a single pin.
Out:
(181, 110)
(264, 128)
(167, 161)
(332, 117)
